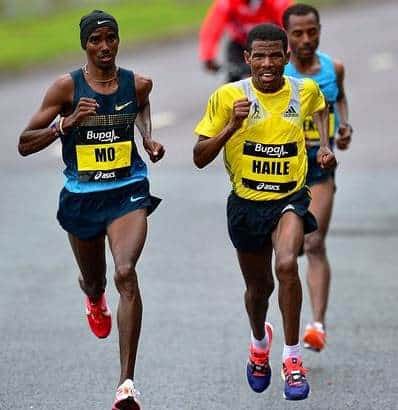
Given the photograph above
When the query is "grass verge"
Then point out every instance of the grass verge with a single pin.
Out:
(34, 41)
(39, 40)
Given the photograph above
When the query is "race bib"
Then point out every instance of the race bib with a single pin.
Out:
(103, 153)
(270, 167)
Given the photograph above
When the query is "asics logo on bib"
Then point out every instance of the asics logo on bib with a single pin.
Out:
(102, 136)
(262, 186)
(100, 175)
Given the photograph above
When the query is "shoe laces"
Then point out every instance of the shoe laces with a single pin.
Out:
(96, 310)
(295, 372)
(258, 360)
(129, 389)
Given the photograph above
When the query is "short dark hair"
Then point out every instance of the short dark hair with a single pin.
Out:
(298, 9)
(266, 32)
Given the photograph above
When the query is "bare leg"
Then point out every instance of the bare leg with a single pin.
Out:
(287, 240)
(90, 256)
(318, 275)
(126, 239)
(257, 272)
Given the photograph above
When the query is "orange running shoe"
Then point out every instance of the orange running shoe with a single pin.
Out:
(99, 317)
(314, 338)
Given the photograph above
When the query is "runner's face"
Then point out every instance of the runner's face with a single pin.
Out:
(267, 61)
(102, 47)
(303, 33)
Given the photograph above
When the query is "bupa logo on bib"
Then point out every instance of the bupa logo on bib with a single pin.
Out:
(102, 136)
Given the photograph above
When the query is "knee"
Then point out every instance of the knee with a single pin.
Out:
(126, 280)
(286, 267)
(314, 244)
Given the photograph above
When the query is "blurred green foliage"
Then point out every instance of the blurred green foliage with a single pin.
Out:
(38, 39)
(38, 31)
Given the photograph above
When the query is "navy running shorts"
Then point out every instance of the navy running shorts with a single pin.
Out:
(87, 215)
(250, 223)
(316, 174)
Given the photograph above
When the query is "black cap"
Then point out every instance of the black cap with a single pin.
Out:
(94, 20)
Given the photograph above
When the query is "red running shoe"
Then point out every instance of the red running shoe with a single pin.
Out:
(99, 317)
(127, 397)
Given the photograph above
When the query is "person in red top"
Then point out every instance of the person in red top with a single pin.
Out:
(236, 18)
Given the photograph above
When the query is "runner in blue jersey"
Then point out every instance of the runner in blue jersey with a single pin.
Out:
(302, 25)
(106, 193)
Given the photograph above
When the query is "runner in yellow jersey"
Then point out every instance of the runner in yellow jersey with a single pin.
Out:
(259, 123)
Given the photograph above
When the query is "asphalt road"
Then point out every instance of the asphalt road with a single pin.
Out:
(195, 334)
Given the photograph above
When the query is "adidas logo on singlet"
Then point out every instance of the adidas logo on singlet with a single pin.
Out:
(291, 112)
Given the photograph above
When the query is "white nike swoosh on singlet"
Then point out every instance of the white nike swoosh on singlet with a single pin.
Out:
(135, 199)
(121, 107)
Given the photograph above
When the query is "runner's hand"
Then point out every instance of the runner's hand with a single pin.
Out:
(211, 65)
(326, 158)
(240, 111)
(85, 107)
(345, 133)
(154, 149)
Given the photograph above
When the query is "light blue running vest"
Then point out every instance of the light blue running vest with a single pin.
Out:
(325, 77)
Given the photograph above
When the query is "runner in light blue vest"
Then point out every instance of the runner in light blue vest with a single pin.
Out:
(302, 25)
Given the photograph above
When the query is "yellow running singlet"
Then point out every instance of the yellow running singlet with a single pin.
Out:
(266, 158)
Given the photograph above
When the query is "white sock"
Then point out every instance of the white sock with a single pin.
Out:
(291, 351)
(260, 344)
(318, 326)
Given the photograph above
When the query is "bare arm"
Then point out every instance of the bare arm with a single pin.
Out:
(321, 120)
(207, 149)
(38, 135)
(345, 129)
(58, 100)
(143, 86)
(325, 155)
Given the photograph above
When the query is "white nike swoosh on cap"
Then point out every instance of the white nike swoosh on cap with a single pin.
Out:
(103, 21)
(132, 199)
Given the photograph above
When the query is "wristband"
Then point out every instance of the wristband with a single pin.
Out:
(61, 123)
(55, 128)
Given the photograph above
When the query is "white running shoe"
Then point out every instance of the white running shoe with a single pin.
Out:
(127, 397)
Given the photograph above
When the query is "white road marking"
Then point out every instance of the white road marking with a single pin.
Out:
(382, 62)
(159, 120)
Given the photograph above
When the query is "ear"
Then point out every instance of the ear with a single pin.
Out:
(246, 54)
